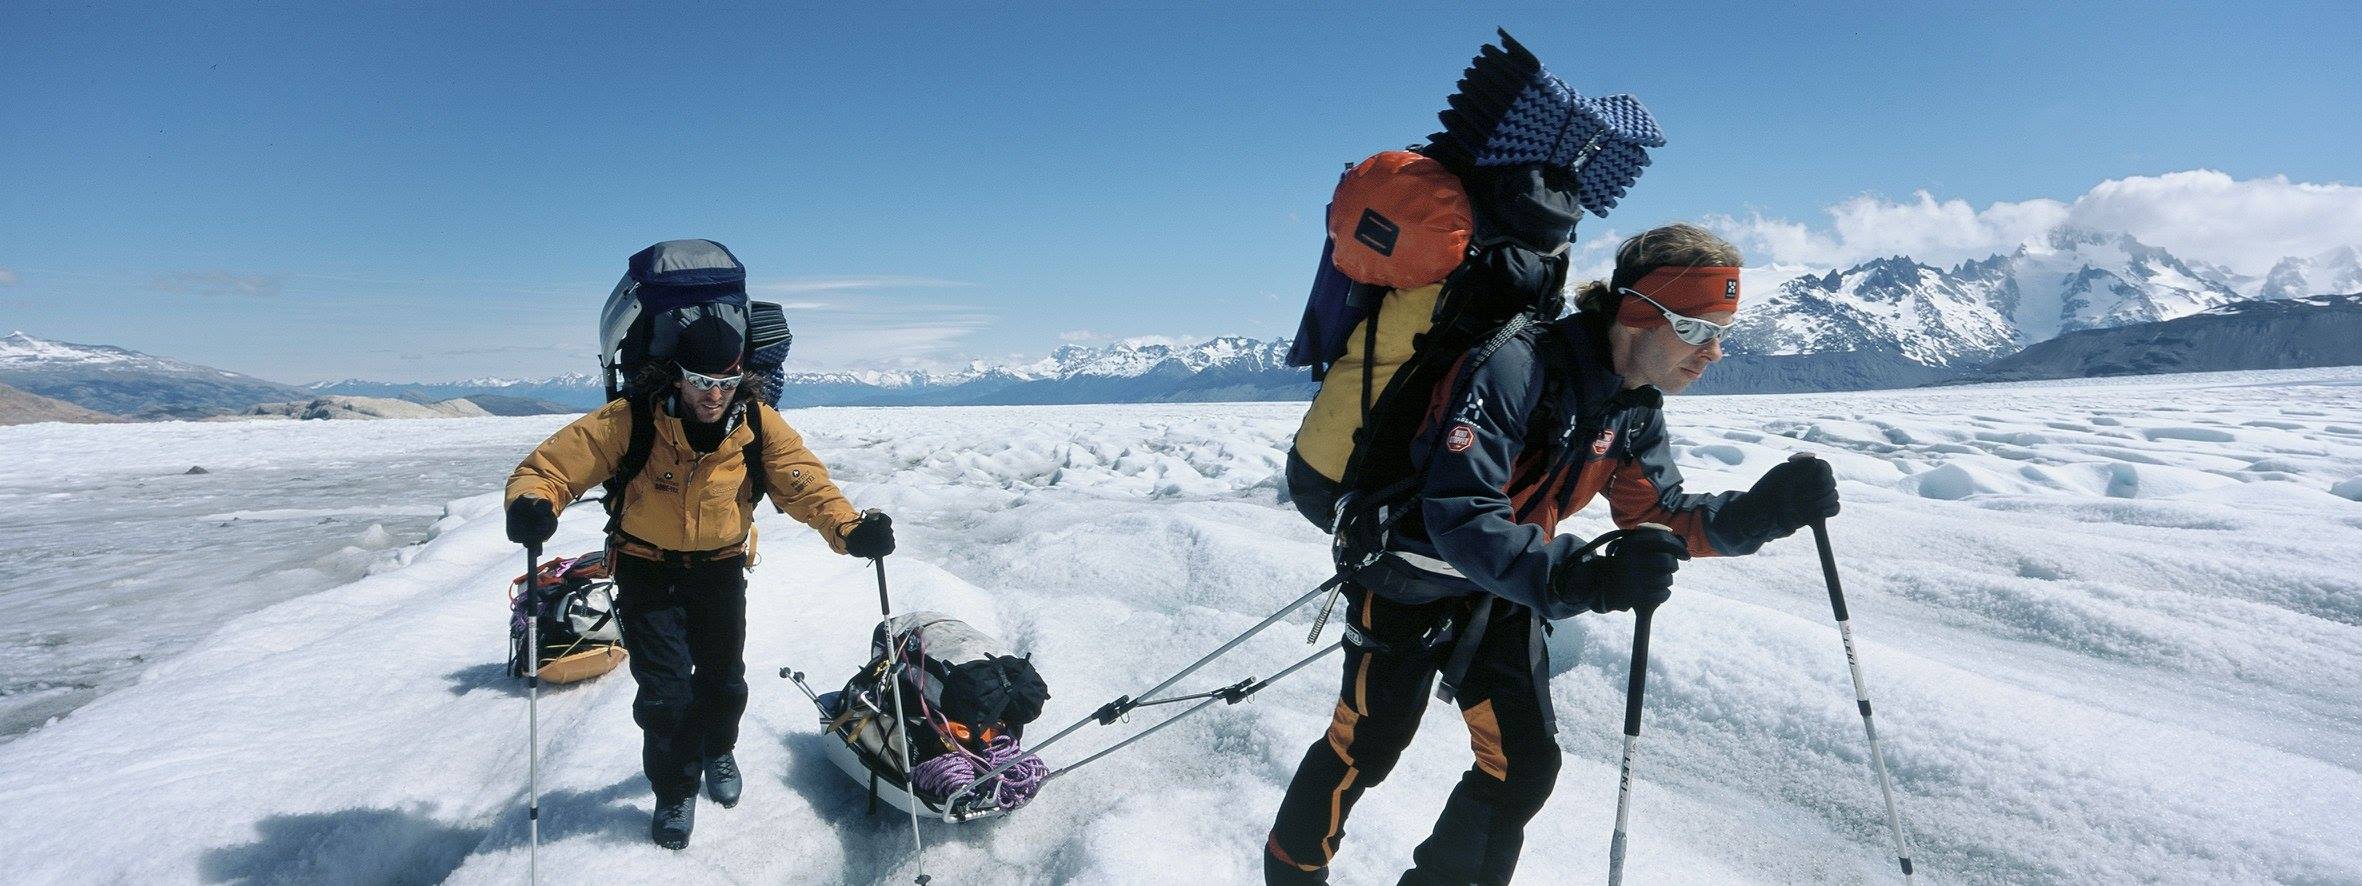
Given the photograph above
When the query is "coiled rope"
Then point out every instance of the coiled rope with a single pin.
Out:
(951, 773)
(947, 774)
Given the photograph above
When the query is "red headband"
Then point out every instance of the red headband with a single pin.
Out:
(1687, 291)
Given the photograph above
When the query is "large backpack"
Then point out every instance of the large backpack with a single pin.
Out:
(1395, 304)
(665, 288)
(1396, 308)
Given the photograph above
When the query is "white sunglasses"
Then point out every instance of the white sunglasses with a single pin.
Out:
(711, 382)
(1691, 330)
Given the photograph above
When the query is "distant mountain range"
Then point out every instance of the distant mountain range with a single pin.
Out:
(574, 391)
(2077, 302)
(2291, 333)
(128, 383)
(1221, 369)
(1896, 322)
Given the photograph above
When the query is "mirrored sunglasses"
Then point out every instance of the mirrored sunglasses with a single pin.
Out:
(1691, 330)
(711, 382)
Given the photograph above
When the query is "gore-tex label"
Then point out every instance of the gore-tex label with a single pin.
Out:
(1460, 438)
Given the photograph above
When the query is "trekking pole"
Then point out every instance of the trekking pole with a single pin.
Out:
(901, 725)
(532, 664)
(1853, 663)
(1633, 691)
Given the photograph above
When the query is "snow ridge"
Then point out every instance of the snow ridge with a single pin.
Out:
(22, 352)
(2073, 279)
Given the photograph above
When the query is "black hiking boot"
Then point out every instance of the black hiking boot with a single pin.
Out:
(721, 780)
(670, 827)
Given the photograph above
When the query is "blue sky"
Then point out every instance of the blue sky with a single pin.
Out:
(428, 192)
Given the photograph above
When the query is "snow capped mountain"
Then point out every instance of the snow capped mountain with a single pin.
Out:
(1892, 305)
(1890, 322)
(20, 352)
(1897, 322)
(2336, 271)
(120, 381)
(2079, 279)
(1225, 368)
(571, 391)
(1979, 310)
(485, 383)
(1132, 359)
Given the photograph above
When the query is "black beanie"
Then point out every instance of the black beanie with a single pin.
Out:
(710, 346)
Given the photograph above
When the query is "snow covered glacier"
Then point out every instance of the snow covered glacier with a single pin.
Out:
(2111, 628)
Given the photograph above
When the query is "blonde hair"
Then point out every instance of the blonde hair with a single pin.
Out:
(1679, 245)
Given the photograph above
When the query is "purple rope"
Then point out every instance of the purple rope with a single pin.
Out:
(521, 594)
(948, 774)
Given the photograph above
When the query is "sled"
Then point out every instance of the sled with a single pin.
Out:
(583, 664)
(842, 733)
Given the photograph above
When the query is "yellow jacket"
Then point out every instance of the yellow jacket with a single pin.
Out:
(683, 501)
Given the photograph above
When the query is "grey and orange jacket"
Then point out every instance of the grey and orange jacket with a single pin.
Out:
(685, 500)
(1535, 434)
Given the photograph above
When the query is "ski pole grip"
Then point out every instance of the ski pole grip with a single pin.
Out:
(1829, 569)
(1635, 690)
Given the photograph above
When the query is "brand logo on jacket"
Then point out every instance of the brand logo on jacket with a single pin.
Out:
(1460, 438)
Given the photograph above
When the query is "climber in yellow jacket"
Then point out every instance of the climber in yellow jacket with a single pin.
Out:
(683, 542)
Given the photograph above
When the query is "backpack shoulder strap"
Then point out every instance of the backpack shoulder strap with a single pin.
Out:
(635, 456)
(754, 454)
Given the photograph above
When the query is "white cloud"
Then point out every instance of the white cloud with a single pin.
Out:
(1866, 227)
(862, 332)
(2198, 214)
(2205, 214)
(8, 277)
(1094, 338)
(1593, 256)
(1170, 341)
(862, 283)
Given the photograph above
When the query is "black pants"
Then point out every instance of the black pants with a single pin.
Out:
(685, 627)
(1386, 688)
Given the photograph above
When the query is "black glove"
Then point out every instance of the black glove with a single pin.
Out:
(1633, 571)
(531, 521)
(1790, 496)
(871, 538)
